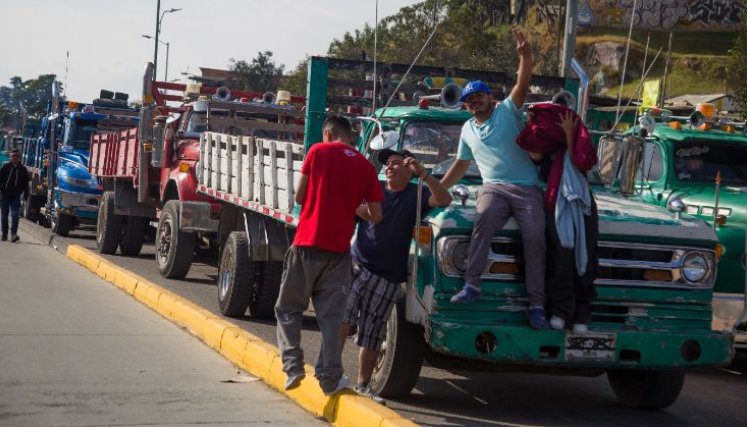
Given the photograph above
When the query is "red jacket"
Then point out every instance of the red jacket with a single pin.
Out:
(542, 134)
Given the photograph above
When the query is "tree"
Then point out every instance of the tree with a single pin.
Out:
(262, 75)
(32, 95)
(295, 82)
(737, 71)
(472, 34)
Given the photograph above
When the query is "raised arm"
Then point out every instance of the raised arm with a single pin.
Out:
(520, 90)
(439, 194)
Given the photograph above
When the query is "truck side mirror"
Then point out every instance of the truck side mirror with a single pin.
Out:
(386, 140)
(608, 153)
(629, 162)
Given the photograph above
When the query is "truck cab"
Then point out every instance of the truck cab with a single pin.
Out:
(703, 166)
(76, 192)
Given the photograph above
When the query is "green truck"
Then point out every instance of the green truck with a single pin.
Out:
(651, 320)
(681, 159)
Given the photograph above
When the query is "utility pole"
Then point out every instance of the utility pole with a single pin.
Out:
(569, 45)
(158, 30)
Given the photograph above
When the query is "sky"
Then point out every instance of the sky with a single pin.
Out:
(107, 50)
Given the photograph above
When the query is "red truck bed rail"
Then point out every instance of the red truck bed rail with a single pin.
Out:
(114, 154)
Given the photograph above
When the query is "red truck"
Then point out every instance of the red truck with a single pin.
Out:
(148, 172)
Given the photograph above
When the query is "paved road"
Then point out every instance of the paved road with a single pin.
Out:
(713, 397)
(75, 350)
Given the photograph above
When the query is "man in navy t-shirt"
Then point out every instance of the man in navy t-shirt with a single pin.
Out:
(380, 255)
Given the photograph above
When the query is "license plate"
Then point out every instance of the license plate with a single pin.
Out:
(590, 346)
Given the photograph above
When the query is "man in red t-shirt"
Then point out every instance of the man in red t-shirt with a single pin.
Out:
(335, 180)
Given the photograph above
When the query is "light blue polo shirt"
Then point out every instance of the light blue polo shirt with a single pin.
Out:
(493, 147)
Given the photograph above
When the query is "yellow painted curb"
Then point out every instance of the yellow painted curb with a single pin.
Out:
(241, 347)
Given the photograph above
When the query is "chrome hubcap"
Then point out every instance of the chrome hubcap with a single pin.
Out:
(164, 239)
(225, 274)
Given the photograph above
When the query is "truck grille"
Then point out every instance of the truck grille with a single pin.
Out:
(620, 263)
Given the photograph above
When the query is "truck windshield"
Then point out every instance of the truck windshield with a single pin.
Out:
(701, 160)
(198, 122)
(435, 145)
(80, 134)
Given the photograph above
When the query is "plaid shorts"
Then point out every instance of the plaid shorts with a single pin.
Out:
(370, 302)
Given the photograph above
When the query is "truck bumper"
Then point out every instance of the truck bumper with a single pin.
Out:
(728, 311)
(81, 205)
(597, 349)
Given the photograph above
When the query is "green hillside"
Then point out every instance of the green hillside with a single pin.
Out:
(699, 60)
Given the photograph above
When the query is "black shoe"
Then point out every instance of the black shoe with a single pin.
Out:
(14, 238)
(5, 237)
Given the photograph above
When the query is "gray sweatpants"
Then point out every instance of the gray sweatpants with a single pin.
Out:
(496, 203)
(319, 275)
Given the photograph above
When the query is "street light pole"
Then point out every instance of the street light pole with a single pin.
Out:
(168, 45)
(159, 20)
(158, 30)
(166, 72)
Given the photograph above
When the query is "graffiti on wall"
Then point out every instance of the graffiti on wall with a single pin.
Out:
(664, 14)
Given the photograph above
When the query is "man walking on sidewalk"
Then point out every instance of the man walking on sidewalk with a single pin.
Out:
(14, 182)
(335, 180)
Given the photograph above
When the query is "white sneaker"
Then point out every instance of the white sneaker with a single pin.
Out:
(557, 322)
(367, 392)
(342, 384)
(580, 328)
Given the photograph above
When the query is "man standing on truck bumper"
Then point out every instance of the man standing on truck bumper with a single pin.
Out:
(335, 180)
(510, 184)
(14, 182)
(380, 256)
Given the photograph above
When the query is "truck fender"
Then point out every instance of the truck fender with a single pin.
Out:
(185, 184)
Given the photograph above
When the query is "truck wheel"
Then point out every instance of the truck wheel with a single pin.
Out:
(31, 205)
(236, 276)
(646, 389)
(61, 224)
(108, 225)
(133, 235)
(266, 290)
(174, 249)
(401, 357)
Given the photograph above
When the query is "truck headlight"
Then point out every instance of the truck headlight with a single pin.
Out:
(695, 267)
(76, 182)
(452, 255)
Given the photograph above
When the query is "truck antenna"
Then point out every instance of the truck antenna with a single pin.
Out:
(67, 61)
(376, 48)
(394, 92)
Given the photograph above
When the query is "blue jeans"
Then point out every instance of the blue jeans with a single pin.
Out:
(12, 203)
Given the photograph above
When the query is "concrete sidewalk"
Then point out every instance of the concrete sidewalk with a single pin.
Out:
(75, 350)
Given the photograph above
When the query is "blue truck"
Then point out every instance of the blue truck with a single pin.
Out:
(62, 193)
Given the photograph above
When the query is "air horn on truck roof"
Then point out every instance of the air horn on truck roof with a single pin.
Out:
(449, 96)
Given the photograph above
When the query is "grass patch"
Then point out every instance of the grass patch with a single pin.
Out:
(683, 42)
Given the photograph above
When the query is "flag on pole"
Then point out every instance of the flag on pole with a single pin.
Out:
(651, 90)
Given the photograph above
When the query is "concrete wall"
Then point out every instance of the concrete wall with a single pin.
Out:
(716, 15)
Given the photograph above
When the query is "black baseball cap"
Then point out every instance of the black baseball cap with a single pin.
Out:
(384, 155)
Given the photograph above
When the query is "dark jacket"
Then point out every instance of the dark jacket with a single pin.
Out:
(13, 181)
(542, 135)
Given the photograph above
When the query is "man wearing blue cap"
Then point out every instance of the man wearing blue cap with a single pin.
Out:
(510, 184)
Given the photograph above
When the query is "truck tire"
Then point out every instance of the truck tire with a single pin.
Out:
(398, 366)
(236, 276)
(108, 225)
(133, 235)
(175, 249)
(61, 224)
(266, 290)
(646, 389)
(31, 205)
